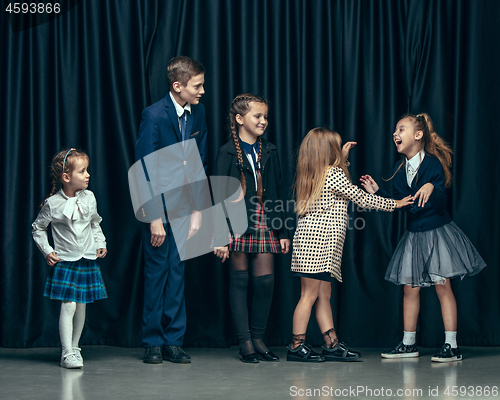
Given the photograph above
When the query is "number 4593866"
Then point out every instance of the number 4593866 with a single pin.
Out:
(33, 8)
(471, 391)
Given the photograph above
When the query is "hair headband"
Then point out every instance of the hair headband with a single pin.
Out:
(64, 162)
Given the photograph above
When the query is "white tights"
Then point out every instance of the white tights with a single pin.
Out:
(71, 321)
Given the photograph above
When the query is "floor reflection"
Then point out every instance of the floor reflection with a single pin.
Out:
(71, 384)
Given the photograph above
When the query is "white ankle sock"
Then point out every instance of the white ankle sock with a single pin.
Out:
(409, 338)
(450, 337)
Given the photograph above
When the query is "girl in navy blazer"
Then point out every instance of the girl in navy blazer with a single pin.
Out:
(433, 249)
(254, 161)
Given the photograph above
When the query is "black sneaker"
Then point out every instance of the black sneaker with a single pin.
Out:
(340, 353)
(402, 351)
(447, 354)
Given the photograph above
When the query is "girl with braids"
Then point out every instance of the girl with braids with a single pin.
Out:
(254, 161)
(75, 277)
(323, 190)
(433, 249)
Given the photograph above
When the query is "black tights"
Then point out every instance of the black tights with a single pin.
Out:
(251, 338)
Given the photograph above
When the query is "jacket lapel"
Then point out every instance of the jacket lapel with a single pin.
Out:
(170, 109)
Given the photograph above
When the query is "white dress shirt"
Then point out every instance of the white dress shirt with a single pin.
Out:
(412, 166)
(75, 226)
(179, 109)
(250, 160)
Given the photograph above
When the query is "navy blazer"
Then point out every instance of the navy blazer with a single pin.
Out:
(273, 195)
(160, 128)
(433, 215)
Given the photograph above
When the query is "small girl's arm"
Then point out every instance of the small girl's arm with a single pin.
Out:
(39, 231)
(95, 225)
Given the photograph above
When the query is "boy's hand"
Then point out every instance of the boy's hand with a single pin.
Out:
(222, 252)
(52, 259)
(404, 202)
(369, 184)
(101, 253)
(157, 233)
(285, 245)
(424, 193)
(194, 224)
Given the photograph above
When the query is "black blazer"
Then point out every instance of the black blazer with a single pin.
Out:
(433, 215)
(275, 206)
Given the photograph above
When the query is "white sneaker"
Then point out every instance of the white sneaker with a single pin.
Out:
(78, 353)
(71, 361)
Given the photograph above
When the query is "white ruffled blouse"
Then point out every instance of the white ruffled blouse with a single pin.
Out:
(76, 229)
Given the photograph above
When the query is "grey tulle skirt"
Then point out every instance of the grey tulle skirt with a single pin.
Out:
(430, 257)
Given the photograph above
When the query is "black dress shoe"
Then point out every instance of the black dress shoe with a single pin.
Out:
(175, 354)
(340, 353)
(152, 355)
(267, 356)
(303, 353)
(249, 358)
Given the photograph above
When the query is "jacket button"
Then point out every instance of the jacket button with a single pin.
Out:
(185, 162)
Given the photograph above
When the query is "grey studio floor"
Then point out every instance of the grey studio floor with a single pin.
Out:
(119, 373)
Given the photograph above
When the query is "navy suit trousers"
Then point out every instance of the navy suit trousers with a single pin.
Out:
(164, 316)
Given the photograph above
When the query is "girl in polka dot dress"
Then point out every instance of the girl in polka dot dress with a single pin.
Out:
(323, 191)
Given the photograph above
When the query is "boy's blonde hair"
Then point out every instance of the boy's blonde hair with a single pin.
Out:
(181, 69)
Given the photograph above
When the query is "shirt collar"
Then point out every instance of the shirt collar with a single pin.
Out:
(415, 161)
(247, 147)
(178, 109)
(77, 194)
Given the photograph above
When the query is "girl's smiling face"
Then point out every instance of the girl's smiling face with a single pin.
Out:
(408, 140)
(253, 123)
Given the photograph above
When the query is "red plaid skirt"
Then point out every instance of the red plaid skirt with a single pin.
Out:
(261, 240)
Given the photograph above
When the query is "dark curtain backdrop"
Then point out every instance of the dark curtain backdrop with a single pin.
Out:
(82, 80)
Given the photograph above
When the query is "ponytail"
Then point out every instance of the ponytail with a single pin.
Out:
(437, 147)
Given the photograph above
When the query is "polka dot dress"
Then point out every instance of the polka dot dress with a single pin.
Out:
(319, 239)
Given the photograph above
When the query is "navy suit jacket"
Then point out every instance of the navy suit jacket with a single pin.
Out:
(433, 215)
(160, 128)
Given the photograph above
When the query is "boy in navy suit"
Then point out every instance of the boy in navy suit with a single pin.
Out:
(178, 116)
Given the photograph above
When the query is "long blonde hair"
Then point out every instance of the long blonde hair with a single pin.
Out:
(433, 145)
(320, 150)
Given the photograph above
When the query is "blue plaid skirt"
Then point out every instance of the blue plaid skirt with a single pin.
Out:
(79, 281)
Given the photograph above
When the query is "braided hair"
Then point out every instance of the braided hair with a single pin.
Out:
(241, 106)
(433, 144)
(63, 162)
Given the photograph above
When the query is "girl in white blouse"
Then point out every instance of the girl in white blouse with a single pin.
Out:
(75, 277)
